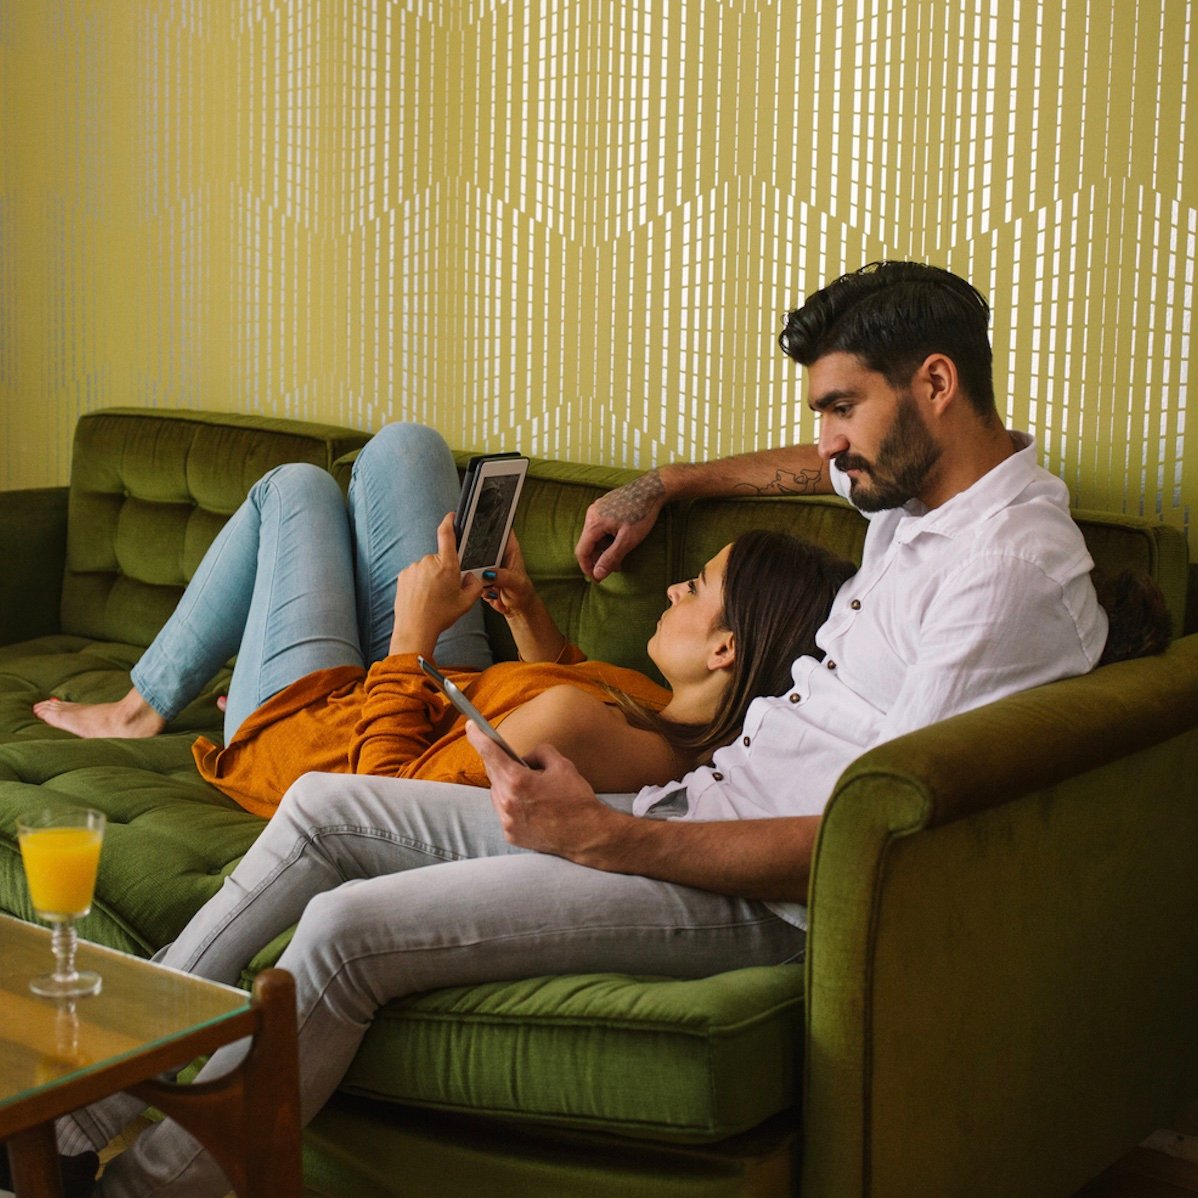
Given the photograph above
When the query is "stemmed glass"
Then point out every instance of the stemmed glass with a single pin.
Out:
(60, 848)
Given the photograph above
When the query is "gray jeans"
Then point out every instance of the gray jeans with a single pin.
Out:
(347, 857)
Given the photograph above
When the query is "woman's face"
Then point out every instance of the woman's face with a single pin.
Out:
(688, 632)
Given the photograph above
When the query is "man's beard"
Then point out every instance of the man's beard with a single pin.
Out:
(905, 458)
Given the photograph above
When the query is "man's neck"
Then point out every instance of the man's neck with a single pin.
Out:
(960, 467)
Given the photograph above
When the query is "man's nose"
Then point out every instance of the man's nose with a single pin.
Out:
(831, 443)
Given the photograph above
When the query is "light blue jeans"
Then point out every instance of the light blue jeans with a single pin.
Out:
(401, 886)
(296, 581)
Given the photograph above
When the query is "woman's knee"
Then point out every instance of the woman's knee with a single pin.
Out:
(402, 442)
(299, 485)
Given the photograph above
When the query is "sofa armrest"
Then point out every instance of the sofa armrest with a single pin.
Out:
(1042, 736)
(1003, 953)
(33, 540)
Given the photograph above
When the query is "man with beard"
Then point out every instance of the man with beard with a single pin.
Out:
(975, 582)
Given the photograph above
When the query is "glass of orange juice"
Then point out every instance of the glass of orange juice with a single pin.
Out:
(60, 848)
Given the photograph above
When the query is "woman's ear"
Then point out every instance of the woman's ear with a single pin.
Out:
(723, 651)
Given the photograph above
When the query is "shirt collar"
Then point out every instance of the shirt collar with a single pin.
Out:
(996, 489)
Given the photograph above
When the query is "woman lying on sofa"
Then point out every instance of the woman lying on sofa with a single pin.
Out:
(326, 676)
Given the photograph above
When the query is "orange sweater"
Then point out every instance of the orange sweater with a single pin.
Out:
(390, 720)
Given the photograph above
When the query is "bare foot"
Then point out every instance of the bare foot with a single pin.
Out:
(129, 717)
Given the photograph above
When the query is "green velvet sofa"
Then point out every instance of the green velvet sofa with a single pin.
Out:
(1001, 987)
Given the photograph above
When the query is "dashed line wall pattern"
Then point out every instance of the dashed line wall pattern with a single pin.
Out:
(573, 226)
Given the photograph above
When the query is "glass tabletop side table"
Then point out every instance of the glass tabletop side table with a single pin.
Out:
(59, 1055)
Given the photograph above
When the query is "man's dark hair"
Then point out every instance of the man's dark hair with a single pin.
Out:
(892, 316)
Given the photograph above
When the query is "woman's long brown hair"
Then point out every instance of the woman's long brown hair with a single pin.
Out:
(778, 590)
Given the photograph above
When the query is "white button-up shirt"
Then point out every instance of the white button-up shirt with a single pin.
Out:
(952, 608)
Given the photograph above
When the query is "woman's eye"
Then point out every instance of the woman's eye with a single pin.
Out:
(690, 586)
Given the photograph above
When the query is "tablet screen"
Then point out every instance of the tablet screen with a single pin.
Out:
(489, 516)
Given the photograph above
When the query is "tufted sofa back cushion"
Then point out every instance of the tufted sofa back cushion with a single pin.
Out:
(149, 491)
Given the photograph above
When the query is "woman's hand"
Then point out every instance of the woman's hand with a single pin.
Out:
(508, 589)
(431, 594)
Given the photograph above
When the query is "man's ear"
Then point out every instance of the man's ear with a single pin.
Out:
(723, 652)
(937, 382)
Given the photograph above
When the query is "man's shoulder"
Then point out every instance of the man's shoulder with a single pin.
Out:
(1021, 510)
(1036, 520)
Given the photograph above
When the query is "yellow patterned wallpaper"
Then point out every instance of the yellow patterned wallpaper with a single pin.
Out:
(573, 226)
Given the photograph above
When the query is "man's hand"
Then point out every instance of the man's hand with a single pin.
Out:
(431, 594)
(552, 809)
(617, 522)
(549, 809)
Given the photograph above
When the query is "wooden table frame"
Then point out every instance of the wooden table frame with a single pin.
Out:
(248, 1120)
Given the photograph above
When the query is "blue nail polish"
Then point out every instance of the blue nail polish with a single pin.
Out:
(489, 575)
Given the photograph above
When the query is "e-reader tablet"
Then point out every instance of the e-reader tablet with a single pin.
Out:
(486, 509)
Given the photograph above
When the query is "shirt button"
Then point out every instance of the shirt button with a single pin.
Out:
(856, 605)
(831, 665)
(745, 742)
(717, 776)
(794, 698)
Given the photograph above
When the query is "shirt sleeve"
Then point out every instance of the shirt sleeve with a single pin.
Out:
(994, 625)
(402, 713)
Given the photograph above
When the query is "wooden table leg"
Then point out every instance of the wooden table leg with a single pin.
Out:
(249, 1119)
(33, 1157)
(271, 1147)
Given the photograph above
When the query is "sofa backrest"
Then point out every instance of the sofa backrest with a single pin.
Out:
(612, 621)
(149, 491)
(1115, 541)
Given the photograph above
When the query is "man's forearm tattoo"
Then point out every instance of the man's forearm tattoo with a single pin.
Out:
(786, 482)
(633, 501)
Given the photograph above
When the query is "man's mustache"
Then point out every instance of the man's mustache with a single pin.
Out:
(851, 461)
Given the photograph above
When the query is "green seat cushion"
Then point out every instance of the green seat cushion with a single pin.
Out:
(685, 1060)
(690, 1061)
(169, 842)
(85, 671)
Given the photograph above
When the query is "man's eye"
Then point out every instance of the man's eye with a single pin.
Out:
(842, 410)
